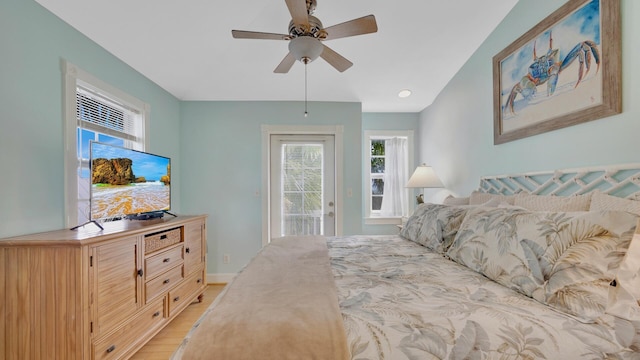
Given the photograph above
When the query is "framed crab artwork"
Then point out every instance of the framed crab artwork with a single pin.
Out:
(565, 71)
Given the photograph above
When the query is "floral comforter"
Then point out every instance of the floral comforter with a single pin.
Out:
(399, 300)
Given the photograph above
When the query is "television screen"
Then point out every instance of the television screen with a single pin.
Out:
(128, 182)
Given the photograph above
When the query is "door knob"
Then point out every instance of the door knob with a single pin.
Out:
(330, 203)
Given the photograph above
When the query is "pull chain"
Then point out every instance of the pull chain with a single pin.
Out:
(305, 89)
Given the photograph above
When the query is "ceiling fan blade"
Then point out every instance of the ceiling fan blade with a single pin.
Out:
(298, 10)
(334, 59)
(241, 34)
(286, 64)
(364, 25)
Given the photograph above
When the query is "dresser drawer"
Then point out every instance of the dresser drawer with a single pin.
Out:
(161, 284)
(122, 342)
(183, 294)
(161, 240)
(163, 261)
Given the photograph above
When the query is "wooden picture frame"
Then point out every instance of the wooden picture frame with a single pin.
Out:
(538, 82)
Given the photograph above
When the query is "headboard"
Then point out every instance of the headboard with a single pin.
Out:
(617, 180)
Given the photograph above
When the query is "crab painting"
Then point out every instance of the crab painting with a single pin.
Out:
(547, 68)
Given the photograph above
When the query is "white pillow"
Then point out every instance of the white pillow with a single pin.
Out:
(451, 200)
(480, 198)
(601, 201)
(554, 203)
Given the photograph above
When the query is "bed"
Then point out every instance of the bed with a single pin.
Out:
(530, 266)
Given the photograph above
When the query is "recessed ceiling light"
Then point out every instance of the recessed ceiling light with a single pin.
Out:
(404, 93)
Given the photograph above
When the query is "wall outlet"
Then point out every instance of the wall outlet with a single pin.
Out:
(226, 258)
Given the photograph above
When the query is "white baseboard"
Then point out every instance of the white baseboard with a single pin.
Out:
(220, 278)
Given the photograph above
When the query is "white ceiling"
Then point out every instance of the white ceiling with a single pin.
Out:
(185, 46)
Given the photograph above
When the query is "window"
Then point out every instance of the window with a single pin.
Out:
(388, 155)
(94, 111)
(377, 173)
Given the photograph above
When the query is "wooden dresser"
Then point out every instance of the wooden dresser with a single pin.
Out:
(98, 294)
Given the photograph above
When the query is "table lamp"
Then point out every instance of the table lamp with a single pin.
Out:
(424, 177)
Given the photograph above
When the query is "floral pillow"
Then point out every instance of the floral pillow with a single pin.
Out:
(411, 228)
(434, 225)
(563, 259)
(624, 291)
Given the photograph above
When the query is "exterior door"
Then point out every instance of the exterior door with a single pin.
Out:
(302, 178)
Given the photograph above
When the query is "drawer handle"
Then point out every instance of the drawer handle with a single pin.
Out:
(199, 281)
(110, 349)
(140, 272)
(166, 281)
(156, 314)
(187, 250)
(176, 298)
(166, 260)
(162, 237)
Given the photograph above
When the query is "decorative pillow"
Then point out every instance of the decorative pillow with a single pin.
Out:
(435, 225)
(624, 291)
(563, 259)
(479, 198)
(554, 203)
(450, 200)
(601, 201)
(411, 228)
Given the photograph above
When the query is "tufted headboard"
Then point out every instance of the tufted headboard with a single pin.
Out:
(617, 180)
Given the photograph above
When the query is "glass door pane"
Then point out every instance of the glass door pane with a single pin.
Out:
(302, 185)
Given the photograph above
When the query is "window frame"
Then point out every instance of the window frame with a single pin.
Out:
(74, 77)
(370, 217)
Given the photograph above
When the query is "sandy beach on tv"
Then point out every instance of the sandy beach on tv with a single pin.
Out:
(116, 200)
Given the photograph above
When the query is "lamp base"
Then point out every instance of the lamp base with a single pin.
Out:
(420, 199)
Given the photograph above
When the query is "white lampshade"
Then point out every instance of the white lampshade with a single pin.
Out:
(424, 177)
(305, 47)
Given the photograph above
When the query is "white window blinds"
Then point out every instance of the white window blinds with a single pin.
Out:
(99, 113)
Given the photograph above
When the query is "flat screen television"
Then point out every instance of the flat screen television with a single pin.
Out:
(127, 183)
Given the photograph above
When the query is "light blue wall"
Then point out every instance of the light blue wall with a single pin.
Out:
(221, 146)
(455, 133)
(206, 179)
(389, 121)
(457, 129)
(33, 43)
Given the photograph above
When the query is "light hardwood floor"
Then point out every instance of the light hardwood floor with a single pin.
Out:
(167, 340)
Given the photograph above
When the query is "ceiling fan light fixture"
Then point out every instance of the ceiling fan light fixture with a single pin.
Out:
(305, 47)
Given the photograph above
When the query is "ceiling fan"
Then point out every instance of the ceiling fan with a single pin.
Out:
(306, 34)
